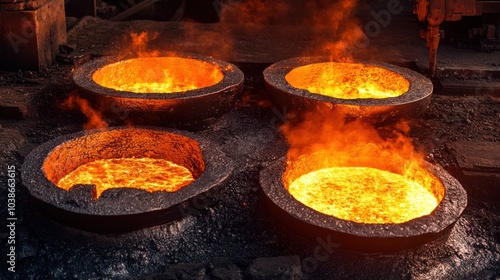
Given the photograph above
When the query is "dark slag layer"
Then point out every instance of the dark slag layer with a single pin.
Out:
(122, 209)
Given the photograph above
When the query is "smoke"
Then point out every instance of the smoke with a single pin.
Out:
(237, 18)
(332, 26)
(337, 30)
(254, 14)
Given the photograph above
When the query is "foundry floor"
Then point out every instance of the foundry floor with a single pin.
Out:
(460, 131)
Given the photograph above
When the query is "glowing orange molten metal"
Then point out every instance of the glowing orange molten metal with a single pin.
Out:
(141, 173)
(363, 195)
(348, 80)
(158, 75)
(357, 172)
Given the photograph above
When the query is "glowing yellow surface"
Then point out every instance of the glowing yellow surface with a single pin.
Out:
(158, 75)
(141, 173)
(348, 80)
(363, 195)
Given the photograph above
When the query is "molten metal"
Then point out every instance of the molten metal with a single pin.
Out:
(348, 80)
(366, 195)
(140, 173)
(137, 171)
(158, 75)
(357, 172)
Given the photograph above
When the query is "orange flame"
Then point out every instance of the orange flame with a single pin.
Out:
(142, 69)
(94, 118)
(140, 43)
(336, 29)
(356, 172)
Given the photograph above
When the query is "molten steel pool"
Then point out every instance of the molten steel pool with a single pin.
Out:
(184, 90)
(141, 173)
(158, 75)
(348, 80)
(363, 208)
(366, 195)
(121, 179)
(376, 91)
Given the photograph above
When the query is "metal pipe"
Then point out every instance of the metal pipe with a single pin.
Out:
(436, 15)
(433, 37)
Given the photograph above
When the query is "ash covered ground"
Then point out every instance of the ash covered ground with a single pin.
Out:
(227, 239)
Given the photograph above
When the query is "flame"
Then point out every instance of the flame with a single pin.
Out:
(158, 75)
(348, 80)
(94, 118)
(354, 171)
(139, 44)
(331, 25)
(336, 30)
(141, 173)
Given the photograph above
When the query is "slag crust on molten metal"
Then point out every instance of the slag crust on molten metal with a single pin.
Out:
(126, 158)
(158, 75)
(348, 80)
(364, 195)
(141, 173)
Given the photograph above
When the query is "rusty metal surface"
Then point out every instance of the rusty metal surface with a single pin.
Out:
(437, 11)
(22, 5)
(30, 38)
(421, 8)
(455, 9)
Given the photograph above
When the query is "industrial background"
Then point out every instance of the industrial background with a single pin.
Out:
(232, 227)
